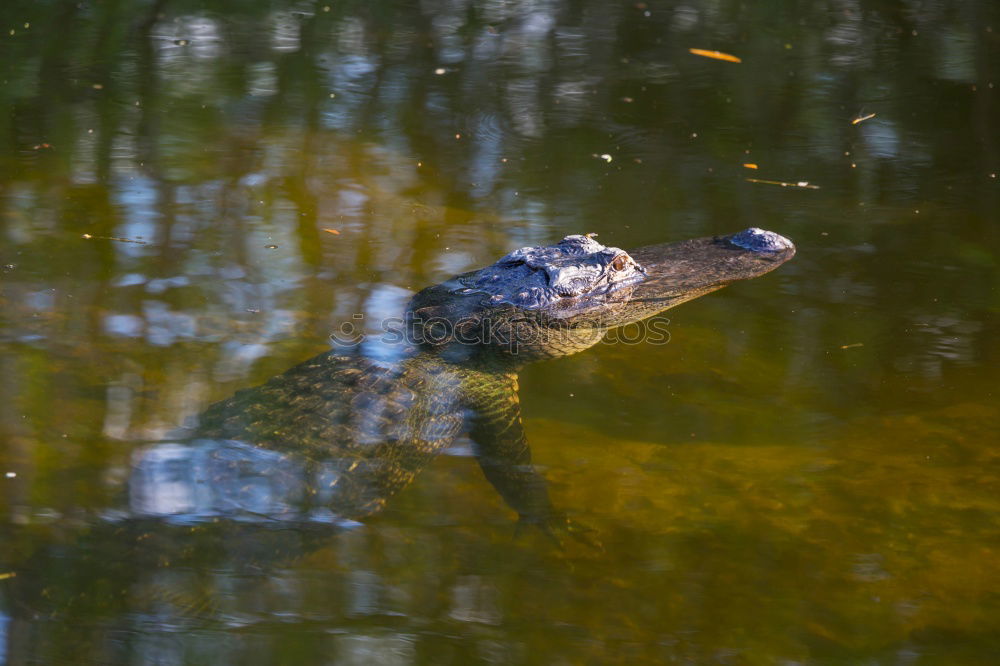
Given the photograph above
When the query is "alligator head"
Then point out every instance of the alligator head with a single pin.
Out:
(554, 300)
(575, 270)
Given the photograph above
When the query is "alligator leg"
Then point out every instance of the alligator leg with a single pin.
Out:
(505, 458)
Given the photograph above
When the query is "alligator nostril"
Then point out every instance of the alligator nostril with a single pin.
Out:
(760, 240)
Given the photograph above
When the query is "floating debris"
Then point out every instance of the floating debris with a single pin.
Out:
(9, 574)
(440, 70)
(182, 42)
(114, 238)
(861, 119)
(852, 345)
(332, 231)
(749, 165)
(801, 184)
(715, 55)
(606, 157)
(41, 146)
(270, 247)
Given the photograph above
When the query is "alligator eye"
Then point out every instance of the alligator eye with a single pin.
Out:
(619, 262)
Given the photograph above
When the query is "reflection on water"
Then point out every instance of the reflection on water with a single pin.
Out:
(804, 475)
(231, 479)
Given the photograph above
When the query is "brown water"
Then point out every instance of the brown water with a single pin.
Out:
(807, 474)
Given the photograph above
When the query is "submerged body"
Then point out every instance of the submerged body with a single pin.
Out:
(338, 435)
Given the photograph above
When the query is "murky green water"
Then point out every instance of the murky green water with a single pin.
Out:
(807, 473)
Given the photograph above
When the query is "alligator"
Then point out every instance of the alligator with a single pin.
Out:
(341, 433)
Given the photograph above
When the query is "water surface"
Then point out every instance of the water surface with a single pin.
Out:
(195, 195)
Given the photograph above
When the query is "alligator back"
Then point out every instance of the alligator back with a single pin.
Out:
(356, 431)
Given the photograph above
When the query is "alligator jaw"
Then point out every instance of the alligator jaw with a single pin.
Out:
(679, 272)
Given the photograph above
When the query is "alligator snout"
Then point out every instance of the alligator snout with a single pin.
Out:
(761, 240)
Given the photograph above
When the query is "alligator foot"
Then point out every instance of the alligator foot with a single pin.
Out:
(557, 527)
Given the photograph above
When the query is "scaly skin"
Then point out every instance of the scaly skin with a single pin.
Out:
(374, 427)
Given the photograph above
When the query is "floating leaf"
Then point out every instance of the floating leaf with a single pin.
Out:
(716, 55)
(750, 165)
(332, 231)
(114, 238)
(802, 183)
